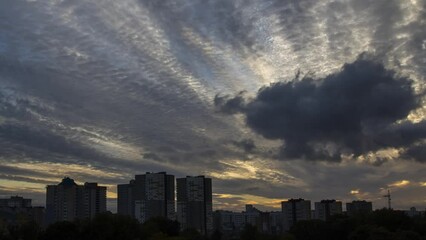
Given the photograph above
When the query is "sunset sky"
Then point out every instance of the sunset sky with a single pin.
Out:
(272, 99)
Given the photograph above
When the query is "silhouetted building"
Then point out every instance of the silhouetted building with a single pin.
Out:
(327, 208)
(126, 199)
(16, 210)
(15, 201)
(276, 222)
(148, 195)
(230, 224)
(356, 207)
(94, 200)
(414, 213)
(295, 210)
(68, 201)
(252, 216)
(223, 221)
(194, 203)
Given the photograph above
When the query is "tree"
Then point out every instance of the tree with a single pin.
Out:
(310, 230)
(28, 230)
(216, 235)
(191, 234)
(372, 232)
(161, 225)
(108, 226)
(62, 230)
(408, 235)
(249, 233)
(4, 230)
(390, 219)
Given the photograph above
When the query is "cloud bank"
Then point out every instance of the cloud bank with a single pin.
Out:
(103, 90)
(352, 112)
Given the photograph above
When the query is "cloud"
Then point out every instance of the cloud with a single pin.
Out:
(354, 192)
(247, 145)
(100, 89)
(353, 111)
(43, 139)
(417, 152)
(271, 203)
(400, 184)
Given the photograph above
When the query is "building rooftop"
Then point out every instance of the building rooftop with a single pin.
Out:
(67, 182)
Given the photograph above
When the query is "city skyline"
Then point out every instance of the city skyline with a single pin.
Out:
(271, 99)
(78, 212)
(129, 192)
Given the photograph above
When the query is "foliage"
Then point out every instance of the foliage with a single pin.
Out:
(249, 233)
(381, 224)
(111, 227)
(157, 225)
(378, 225)
(62, 230)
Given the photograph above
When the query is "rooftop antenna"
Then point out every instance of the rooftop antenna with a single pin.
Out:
(388, 196)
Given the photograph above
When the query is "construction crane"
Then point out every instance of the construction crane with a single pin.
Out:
(388, 196)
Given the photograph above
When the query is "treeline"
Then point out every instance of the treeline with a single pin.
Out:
(378, 225)
(106, 226)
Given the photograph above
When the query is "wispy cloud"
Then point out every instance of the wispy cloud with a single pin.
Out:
(102, 90)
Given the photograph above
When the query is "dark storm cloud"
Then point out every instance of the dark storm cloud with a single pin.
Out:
(417, 152)
(230, 105)
(417, 41)
(353, 111)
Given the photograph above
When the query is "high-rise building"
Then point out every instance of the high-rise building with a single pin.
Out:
(15, 201)
(295, 210)
(327, 208)
(125, 199)
(230, 224)
(194, 203)
(148, 195)
(68, 201)
(62, 201)
(356, 207)
(276, 221)
(15, 210)
(94, 200)
(413, 212)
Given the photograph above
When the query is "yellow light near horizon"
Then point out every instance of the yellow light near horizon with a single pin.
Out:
(17, 186)
(255, 169)
(355, 191)
(252, 199)
(402, 183)
(112, 195)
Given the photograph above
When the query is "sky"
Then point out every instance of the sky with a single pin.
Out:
(272, 99)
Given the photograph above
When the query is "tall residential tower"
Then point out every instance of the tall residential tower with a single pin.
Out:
(68, 201)
(327, 208)
(295, 210)
(194, 203)
(148, 195)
